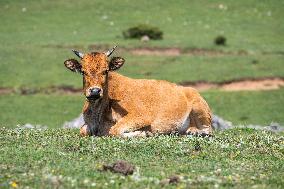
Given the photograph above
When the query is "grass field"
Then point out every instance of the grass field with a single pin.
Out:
(53, 110)
(36, 38)
(239, 158)
(185, 23)
(39, 69)
(30, 56)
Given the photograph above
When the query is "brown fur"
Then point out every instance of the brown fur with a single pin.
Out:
(135, 107)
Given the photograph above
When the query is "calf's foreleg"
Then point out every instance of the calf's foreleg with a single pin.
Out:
(85, 131)
(128, 126)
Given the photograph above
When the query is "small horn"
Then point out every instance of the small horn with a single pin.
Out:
(79, 54)
(109, 52)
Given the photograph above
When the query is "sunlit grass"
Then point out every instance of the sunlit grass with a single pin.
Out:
(57, 158)
(249, 25)
(43, 67)
(53, 110)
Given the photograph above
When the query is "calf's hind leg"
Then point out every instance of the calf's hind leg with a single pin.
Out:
(200, 118)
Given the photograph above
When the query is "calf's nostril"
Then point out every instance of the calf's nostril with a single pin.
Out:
(98, 90)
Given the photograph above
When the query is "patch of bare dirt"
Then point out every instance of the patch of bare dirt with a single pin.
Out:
(159, 51)
(63, 46)
(48, 90)
(68, 90)
(201, 85)
(173, 51)
(5, 91)
(265, 84)
(241, 85)
(179, 51)
(156, 51)
(120, 166)
(174, 179)
(212, 52)
(237, 85)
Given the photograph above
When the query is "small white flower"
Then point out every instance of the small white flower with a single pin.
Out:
(104, 17)
(93, 184)
(86, 181)
(223, 7)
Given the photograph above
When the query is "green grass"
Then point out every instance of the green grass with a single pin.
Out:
(36, 38)
(44, 67)
(30, 56)
(243, 108)
(57, 158)
(48, 110)
(200, 68)
(53, 110)
(251, 25)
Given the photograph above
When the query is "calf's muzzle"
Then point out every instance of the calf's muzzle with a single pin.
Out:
(93, 93)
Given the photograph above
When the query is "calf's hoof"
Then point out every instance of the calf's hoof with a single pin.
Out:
(134, 134)
(113, 132)
(85, 131)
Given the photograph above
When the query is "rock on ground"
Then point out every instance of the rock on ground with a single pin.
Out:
(120, 166)
(75, 123)
(31, 126)
(219, 123)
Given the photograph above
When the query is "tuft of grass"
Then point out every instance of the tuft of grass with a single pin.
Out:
(58, 158)
(143, 30)
(220, 40)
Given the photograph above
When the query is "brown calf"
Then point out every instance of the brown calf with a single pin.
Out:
(121, 106)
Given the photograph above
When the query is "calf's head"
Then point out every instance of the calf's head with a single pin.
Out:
(94, 67)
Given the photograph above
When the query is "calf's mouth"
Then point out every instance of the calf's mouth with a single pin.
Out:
(93, 97)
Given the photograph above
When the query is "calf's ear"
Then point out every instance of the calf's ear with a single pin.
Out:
(115, 63)
(73, 65)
